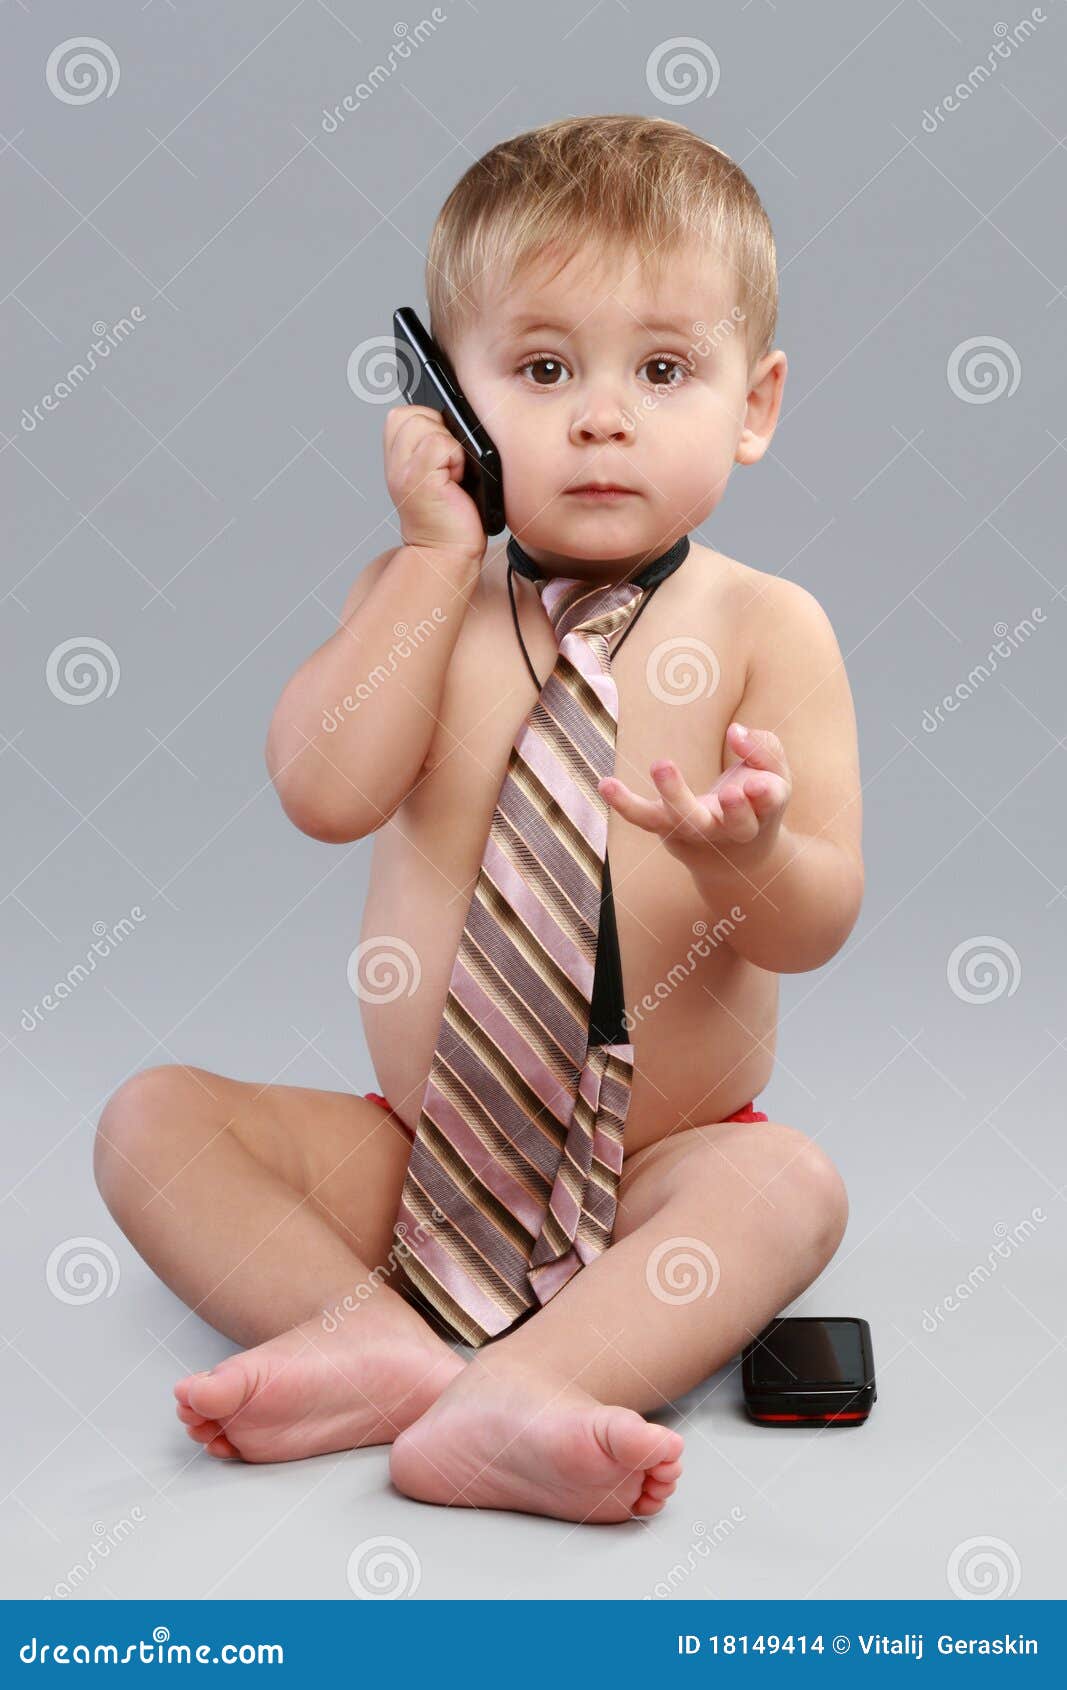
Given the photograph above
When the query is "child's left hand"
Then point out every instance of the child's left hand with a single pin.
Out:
(744, 805)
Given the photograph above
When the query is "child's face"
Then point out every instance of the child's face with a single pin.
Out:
(591, 377)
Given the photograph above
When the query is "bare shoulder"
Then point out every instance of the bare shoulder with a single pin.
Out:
(757, 614)
(785, 630)
(721, 581)
(767, 605)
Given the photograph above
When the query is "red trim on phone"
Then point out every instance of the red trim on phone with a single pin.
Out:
(841, 1414)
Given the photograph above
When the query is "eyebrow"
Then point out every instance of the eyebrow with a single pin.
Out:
(655, 325)
(527, 325)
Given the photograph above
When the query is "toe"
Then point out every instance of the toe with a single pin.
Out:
(204, 1431)
(658, 1489)
(219, 1394)
(223, 1448)
(646, 1505)
(623, 1434)
(181, 1389)
(633, 1441)
(669, 1451)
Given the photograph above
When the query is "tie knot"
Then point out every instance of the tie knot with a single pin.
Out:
(576, 607)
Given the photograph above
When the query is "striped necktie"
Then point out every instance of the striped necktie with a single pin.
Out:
(512, 1183)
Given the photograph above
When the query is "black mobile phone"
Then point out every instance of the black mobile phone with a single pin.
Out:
(806, 1370)
(427, 378)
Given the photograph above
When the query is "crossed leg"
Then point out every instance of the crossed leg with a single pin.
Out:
(718, 1229)
(269, 1211)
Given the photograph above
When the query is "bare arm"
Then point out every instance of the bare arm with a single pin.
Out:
(352, 728)
(800, 893)
(774, 844)
(796, 905)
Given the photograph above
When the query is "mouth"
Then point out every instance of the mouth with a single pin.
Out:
(600, 490)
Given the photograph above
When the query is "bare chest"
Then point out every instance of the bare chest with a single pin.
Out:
(679, 676)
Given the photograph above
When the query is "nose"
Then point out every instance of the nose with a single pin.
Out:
(602, 418)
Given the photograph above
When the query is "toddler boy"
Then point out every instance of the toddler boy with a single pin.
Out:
(605, 288)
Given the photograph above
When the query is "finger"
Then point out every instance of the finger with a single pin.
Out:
(735, 775)
(760, 748)
(734, 770)
(431, 457)
(401, 417)
(440, 447)
(641, 811)
(740, 824)
(766, 794)
(753, 782)
(691, 820)
(398, 413)
(415, 425)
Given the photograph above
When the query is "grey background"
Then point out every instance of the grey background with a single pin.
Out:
(202, 503)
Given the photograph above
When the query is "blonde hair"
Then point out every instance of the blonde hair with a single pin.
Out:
(601, 184)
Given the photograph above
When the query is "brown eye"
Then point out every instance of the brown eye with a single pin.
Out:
(666, 372)
(550, 369)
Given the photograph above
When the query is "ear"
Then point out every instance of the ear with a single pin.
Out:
(762, 407)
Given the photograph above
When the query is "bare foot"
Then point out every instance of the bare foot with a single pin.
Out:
(307, 1392)
(514, 1438)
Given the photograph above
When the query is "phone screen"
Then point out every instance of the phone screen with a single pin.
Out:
(821, 1354)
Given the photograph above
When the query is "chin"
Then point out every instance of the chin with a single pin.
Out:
(597, 532)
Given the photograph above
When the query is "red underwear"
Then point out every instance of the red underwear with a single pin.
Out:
(745, 1113)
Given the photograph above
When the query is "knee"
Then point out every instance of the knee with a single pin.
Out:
(131, 1128)
(815, 1192)
(781, 1178)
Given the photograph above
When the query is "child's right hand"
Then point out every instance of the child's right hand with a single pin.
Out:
(423, 470)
